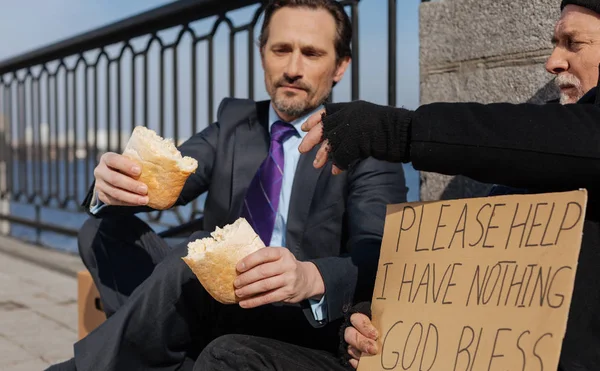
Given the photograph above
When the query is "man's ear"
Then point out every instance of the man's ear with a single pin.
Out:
(341, 69)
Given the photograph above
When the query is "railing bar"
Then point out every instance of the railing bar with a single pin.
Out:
(96, 114)
(32, 145)
(28, 144)
(49, 165)
(119, 110)
(56, 193)
(21, 144)
(65, 150)
(232, 64)
(146, 88)
(392, 53)
(8, 132)
(211, 80)
(39, 225)
(108, 106)
(3, 144)
(38, 144)
(175, 99)
(355, 54)
(161, 89)
(251, 62)
(86, 126)
(133, 95)
(194, 97)
(74, 158)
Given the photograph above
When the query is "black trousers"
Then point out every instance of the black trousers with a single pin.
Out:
(161, 318)
(120, 252)
(251, 353)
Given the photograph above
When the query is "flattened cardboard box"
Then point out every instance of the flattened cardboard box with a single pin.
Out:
(90, 314)
(477, 284)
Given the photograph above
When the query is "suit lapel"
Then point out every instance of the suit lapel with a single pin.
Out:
(303, 189)
(250, 149)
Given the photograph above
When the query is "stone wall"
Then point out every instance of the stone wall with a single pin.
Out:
(483, 51)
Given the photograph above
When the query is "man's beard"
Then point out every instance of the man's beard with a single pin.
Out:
(293, 107)
(291, 104)
(567, 79)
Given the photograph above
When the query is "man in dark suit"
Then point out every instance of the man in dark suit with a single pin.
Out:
(330, 226)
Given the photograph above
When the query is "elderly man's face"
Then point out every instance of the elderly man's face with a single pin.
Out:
(299, 60)
(576, 53)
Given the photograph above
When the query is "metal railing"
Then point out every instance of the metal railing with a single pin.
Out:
(64, 105)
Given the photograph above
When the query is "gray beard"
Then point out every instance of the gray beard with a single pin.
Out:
(295, 109)
(292, 110)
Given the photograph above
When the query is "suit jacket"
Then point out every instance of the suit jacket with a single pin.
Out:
(336, 222)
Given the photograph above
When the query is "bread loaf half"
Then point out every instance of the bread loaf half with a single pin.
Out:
(164, 170)
(213, 259)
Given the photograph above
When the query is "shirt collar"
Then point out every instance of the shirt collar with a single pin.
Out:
(297, 124)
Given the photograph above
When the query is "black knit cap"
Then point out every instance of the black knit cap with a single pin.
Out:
(593, 5)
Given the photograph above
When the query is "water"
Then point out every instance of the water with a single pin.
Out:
(61, 199)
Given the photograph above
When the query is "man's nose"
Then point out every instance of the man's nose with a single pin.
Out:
(557, 62)
(294, 68)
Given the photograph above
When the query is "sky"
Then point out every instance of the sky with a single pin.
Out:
(38, 23)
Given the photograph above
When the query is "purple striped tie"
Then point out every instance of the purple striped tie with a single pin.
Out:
(262, 198)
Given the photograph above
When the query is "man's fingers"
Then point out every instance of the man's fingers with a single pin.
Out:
(261, 286)
(121, 181)
(354, 353)
(313, 120)
(263, 299)
(261, 256)
(364, 325)
(114, 196)
(121, 163)
(354, 363)
(311, 139)
(359, 341)
(322, 155)
(259, 273)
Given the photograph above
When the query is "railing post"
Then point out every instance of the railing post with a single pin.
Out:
(4, 204)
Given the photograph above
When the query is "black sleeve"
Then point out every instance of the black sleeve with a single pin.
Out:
(550, 146)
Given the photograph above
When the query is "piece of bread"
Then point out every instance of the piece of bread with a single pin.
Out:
(164, 170)
(213, 259)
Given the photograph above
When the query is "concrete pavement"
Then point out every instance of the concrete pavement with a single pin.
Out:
(38, 306)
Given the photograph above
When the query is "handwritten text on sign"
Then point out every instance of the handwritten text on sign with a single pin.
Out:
(479, 284)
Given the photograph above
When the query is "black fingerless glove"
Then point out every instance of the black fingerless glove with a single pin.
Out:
(362, 307)
(360, 129)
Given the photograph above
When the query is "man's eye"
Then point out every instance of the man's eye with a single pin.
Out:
(573, 44)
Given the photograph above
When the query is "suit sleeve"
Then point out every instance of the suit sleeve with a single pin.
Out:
(350, 278)
(525, 146)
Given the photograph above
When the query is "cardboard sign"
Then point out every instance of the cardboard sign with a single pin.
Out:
(478, 284)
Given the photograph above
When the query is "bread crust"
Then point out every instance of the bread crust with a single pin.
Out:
(215, 268)
(163, 175)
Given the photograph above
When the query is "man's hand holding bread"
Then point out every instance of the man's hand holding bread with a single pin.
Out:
(234, 266)
(151, 171)
(116, 181)
(274, 275)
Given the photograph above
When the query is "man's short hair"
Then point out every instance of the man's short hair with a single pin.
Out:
(342, 22)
